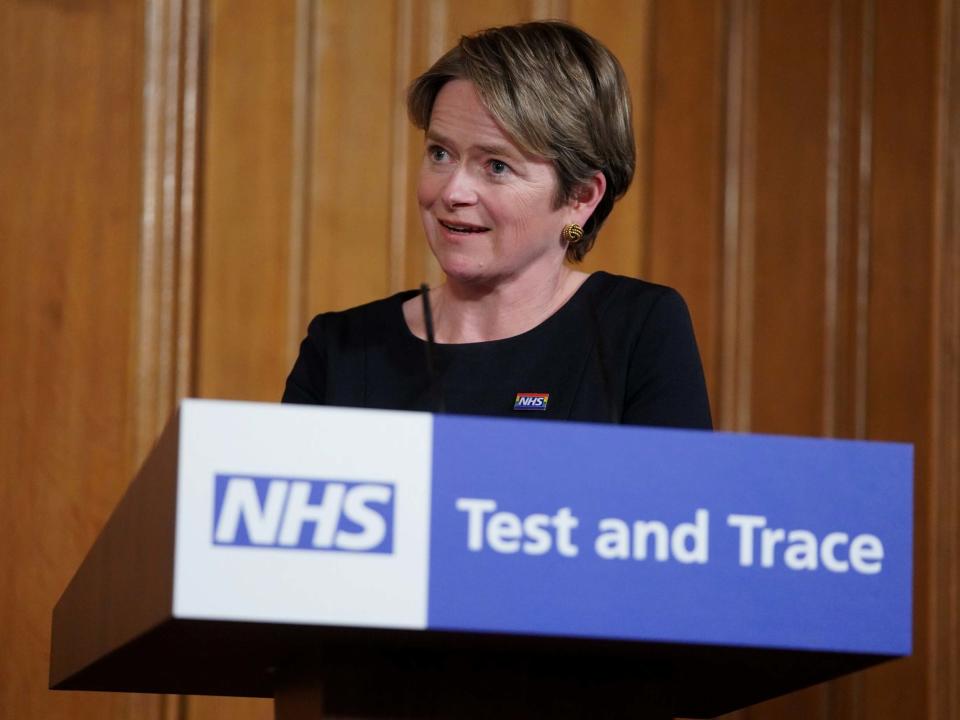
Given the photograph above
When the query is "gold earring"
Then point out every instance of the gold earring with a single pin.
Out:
(572, 234)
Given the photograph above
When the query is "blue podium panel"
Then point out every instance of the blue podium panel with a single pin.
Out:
(670, 536)
(361, 518)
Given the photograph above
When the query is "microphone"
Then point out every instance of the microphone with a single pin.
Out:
(436, 391)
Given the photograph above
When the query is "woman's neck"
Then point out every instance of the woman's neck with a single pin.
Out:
(465, 313)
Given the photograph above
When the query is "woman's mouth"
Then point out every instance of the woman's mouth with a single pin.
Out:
(462, 228)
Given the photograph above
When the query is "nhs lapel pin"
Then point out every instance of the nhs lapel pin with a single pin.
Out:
(531, 401)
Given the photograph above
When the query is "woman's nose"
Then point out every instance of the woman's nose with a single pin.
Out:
(460, 189)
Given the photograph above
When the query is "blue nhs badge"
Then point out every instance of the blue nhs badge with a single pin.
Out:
(330, 515)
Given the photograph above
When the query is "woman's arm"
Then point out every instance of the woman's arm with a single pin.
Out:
(665, 382)
(306, 383)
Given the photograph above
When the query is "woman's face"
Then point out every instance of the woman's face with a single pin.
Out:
(487, 205)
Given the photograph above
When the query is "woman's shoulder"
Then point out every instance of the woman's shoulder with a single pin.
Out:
(376, 313)
(632, 295)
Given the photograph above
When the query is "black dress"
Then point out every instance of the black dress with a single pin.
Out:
(620, 350)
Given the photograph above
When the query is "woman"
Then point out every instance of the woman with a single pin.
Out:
(528, 144)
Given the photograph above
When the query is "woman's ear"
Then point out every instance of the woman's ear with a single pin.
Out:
(586, 197)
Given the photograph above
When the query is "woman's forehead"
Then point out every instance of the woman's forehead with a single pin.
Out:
(460, 119)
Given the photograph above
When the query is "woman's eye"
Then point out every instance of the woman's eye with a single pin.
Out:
(499, 167)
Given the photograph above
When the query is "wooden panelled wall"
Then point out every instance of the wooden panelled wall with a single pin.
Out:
(183, 183)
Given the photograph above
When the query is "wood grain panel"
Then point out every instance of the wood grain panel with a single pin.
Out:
(739, 201)
(246, 191)
(301, 177)
(426, 43)
(852, 27)
(215, 708)
(624, 27)
(944, 494)
(467, 16)
(899, 347)
(791, 173)
(69, 212)
(686, 150)
(349, 245)
(403, 142)
(163, 350)
(848, 236)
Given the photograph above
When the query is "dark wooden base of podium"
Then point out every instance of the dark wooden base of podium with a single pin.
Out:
(316, 672)
(467, 689)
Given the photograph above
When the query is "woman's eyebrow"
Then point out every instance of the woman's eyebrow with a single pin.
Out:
(498, 150)
(436, 137)
(493, 149)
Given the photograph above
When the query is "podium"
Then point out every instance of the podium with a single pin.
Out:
(373, 563)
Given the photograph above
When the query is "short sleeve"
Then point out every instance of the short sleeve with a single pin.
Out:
(306, 383)
(665, 382)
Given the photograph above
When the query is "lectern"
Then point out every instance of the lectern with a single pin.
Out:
(390, 564)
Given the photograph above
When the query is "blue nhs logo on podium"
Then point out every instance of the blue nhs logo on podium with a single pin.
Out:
(303, 514)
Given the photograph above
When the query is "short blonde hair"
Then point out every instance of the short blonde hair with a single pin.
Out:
(559, 92)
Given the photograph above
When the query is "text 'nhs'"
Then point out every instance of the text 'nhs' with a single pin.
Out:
(332, 515)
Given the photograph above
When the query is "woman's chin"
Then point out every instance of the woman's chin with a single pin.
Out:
(473, 279)
(464, 269)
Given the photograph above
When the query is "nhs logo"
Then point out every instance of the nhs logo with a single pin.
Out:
(332, 515)
(531, 401)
